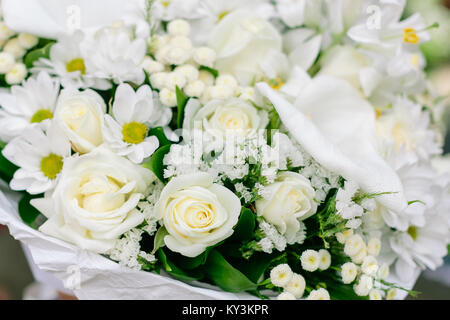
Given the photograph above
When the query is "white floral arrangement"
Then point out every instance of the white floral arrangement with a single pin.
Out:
(216, 149)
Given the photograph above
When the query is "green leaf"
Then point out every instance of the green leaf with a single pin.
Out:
(37, 54)
(159, 239)
(257, 265)
(214, 72)
(182, 100)
(156, 164)
(159, 133)
(27, 212)
(176, 272)
(7, 169)
(245, 227)
(224, 275)
(192, 263)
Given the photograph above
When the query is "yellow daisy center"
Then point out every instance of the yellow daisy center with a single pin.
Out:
(51, 165)
(276, 83)
(41, 115)
(76, 65)
(134, 132)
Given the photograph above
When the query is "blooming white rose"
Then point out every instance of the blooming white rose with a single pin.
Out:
(290, 200)
(196, 213)
(95, 200)
(220, 117)
(80, 115)
(242, 40)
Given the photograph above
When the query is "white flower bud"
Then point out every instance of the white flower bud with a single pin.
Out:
(168, 97)
(325, 259)
(175, 79)
(310, 260)
(195, 89)
(190, 72)
(281, 275)
(151, 66)
(286, 296)
(370, 266)
(296, 286)
(7, 62)
(374, 247)
(13, 46)
(205, 56)
(158, 80)
(27, 41)
(227, 80)
(206, 77)
(349, 271)
(17, 74)
(181, 42)
(179, 28)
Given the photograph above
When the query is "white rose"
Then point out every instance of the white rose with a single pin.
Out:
(95, 200)
(196, 213)
(290, 200)
(242, 40)
(80, 115)
(220, 117)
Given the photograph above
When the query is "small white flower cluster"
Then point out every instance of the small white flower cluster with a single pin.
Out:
(13, 47)
(293, 284)
(315, 260)
(364, 266)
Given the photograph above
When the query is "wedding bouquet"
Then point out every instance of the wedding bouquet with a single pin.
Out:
(221, 149)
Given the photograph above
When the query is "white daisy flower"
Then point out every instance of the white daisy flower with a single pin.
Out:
(68, 63)
(133, 114)
(310, 260)
(319, 294)
(39, 153)
(32, 102)
(113, 54)
(281, 275)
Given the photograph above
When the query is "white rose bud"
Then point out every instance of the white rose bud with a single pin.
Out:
(80, 115)
(294, 196)
(205, 56)
(179, 28)
(95, 200)
(17, 74)
(196, 213)
(27, 41)
(7, 62)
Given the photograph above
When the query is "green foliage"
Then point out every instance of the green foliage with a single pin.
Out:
(34, 55)
(214, 72)
(244, 229)
(27, 212)
(225, 276)
(159, 133)
(182, 100)
(175, 271)
(156, 162)
(159, 239)
(7, 169)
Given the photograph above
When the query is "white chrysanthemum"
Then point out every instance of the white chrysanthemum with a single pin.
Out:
(319, 294)
(5, 32)
(205, 56)
(7, 62)
(134, 112)
(195, 89)
(349, 271)
(353, 245)
(310, 260)
(286, 296)
(190, 72)
(374, 247)
(17, 74)
(27, 41)
(158, 80)
(343, 236)
(30, 103)
(168, 10)
(113, 54)
(68, 64)
(375, 294)
(227, 80)
(325, 259)
(168, 97)
(359, 257)
(281, 275)
(296, 286)
(370, 266)
(178, 27)
(175, 79)
(364, 285)
(391, 294)
(39, 153)
(383, 271)
(151, 66)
